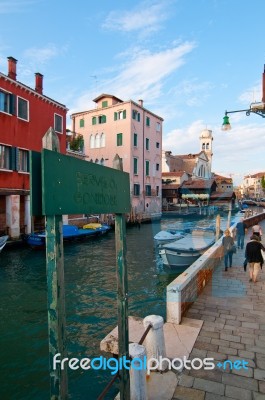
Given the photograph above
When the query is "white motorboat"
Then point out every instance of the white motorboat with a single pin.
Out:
(167, 236)
(183, 252)
(3, 240)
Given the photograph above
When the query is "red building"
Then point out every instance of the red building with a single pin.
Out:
(25, 116)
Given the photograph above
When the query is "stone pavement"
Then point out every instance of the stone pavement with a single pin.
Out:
(233, 313)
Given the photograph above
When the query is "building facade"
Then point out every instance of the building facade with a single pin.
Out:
(252, 186)
(25, 116)
(128, 129)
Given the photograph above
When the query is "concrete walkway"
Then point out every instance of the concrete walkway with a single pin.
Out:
(233, 313)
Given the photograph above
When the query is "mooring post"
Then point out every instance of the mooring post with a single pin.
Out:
(55, 291)
(122, 294)
(138, 373)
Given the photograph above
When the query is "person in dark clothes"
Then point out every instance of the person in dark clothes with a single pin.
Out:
(254, 257)
(228, 242)
(241, 229)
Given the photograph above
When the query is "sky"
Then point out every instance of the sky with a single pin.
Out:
(189, 60)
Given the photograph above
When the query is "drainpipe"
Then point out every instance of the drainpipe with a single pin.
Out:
(143, 161)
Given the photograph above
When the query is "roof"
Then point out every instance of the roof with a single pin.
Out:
(170, 186)
(257, 175)
(6, 77)
(101, 96)
(198, 184)
(223, 195)
(176, 173)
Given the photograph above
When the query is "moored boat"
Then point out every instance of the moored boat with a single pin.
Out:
(183, 252)
(3, 240)
(168, 235)
(70, 232)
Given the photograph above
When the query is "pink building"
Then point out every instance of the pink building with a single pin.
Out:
(134, 133)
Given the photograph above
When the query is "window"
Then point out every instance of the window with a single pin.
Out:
(119, 115)
(138, 117)
(23, 160)
(7, 102)
(147, 121)
(94, 120)
(58, 123)
(134, 114)
(102, 140)
(82, 123)
(97, 141)
(157, 145)
(136, 189)
(5, 157)
(148, 190)
(147, 165)
(102, 119)
(157, 190)
(157, 167)
(135, 166)
(104, 104)
(119, 139)
(92, 142)
(22, 109)
(135, 140)
(147, 144)
(158, 127)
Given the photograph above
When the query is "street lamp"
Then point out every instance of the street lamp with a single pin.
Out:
(256, 108)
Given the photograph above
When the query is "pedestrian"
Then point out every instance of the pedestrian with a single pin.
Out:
(228, 243)
(254, 257)
(241, 230)
(256, 230)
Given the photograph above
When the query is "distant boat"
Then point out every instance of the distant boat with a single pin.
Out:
(70, 232)
(3, 240)
(183, 252)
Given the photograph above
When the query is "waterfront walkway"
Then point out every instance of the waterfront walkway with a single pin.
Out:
(233, 313)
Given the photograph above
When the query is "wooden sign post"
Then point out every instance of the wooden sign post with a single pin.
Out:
(61, 185)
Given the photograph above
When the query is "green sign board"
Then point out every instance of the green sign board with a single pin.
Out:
(73, 186)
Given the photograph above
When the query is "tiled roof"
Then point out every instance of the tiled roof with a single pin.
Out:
(222, 195)
(198, 184)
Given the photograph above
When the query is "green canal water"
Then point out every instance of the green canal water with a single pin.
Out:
(91, 308)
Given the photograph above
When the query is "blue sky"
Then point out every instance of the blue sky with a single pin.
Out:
(189, 60)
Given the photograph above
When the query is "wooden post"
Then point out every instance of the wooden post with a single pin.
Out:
(55, 290)
(229, 215)
(122, 294)
(217, 229)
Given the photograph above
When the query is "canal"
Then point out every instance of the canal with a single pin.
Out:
(91, 308)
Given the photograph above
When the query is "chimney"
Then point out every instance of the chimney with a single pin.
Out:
(141, 102)
(263, 86)
(38, 82)
(12, 68)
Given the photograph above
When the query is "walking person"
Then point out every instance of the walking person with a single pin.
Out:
(228, 243)
(254, 257)
(241, 230)
(257, 231)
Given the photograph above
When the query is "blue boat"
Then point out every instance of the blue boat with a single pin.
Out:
(70, 232)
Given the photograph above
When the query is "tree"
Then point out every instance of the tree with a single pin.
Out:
(77, 143)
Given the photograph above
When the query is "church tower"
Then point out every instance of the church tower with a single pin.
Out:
(206, 145)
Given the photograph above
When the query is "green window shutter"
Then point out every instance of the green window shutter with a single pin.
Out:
(147, 121)
(119, 139)
(135, 166)
(147, 144)
(138, 117)
(13, 103)
(147, 168)
(14, 158)
(94, 120)
(104, 104)
(103, 119)
(135, 140)
(82, 123)
(115, 116)
(27, 161)
(124, 114)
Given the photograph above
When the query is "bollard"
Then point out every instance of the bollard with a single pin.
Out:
(155, 341)
(138, 389)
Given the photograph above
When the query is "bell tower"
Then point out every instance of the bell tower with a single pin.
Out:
(206, 145)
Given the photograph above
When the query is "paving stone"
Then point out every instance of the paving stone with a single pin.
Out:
(227, 316)
(213, 375)
(233, 323)
(216, 356)
(253, 325)
(209, 334)
(203, 339)
(198, 353)
(262, 387)
(250, 363)
(213, 396)
(185, 380)
(240, 381)
(259, 374)
(230, 338)
(256, 349)
(227, 350)
(246, 354)
(258, 396)
(184, 393)
(206, 346)
(236, 345)
(244, 372)
(209, 386)
(247, 340)
(238, 393)
(220, 342)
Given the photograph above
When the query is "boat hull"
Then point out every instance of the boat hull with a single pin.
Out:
(3, 240)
